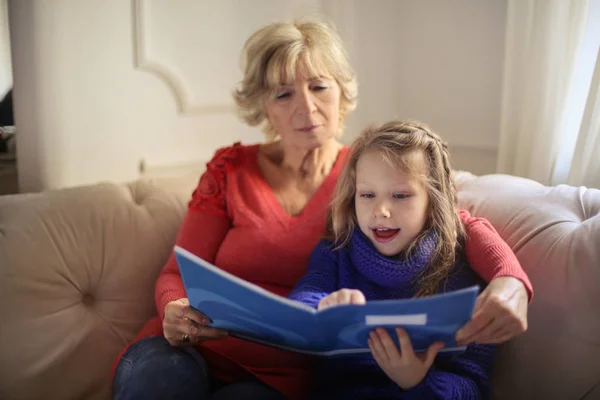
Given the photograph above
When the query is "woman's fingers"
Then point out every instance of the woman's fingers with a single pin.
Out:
(503, 302)
(473, 328)
(183, 324)
(186, 332)
(190, 313)
(206, 332)
(495, 333)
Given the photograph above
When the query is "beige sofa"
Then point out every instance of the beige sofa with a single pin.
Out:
(77, 271)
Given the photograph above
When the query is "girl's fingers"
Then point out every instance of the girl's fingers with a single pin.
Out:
(377, 348)
(357, 297)
(388, 344)
(429, 357)
(322, 303)
(344, 296)
(406, 348)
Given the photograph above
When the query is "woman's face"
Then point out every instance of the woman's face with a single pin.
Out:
(305, 113)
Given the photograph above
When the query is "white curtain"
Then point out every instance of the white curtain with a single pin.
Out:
(585, 166)
(551, 50)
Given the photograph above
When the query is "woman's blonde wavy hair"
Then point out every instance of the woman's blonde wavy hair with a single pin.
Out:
(395, 140)
(275, 53)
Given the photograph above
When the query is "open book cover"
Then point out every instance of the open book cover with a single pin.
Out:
(249, 312)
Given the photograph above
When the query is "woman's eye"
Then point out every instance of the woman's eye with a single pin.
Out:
(282, 95)
(319, 88)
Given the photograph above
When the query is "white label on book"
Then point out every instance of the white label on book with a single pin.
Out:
(407, 319)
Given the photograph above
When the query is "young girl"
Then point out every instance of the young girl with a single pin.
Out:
(394, 232)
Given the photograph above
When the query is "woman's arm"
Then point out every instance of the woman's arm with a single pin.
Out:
(488, 254)
(204, 226)
(320, 278)
(201, 233)
(501, 309)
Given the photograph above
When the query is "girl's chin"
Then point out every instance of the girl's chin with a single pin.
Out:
(386, 249)
(389, 253)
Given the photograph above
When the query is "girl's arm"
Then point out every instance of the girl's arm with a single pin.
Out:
(320, 278)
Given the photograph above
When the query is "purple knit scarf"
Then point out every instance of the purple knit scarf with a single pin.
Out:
(390, 272)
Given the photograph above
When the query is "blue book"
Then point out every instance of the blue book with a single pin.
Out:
(249, 312)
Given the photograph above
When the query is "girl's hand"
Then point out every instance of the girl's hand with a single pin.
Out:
(343, 296)
(402, 365)
(183, 325)
(500, 313)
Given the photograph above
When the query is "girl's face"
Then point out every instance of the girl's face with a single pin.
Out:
(306, 113)
(391, 206)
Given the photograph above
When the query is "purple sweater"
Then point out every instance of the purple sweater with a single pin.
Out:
(360, 266)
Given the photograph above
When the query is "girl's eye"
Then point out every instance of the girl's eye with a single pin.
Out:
(319, 88)
(400, 196)
(367, 195)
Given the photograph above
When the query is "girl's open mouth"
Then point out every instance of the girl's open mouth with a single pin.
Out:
(384, 235)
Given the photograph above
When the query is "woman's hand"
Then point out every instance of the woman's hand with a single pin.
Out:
(343, 296)
(183, 325)
(402, 365)
(500, 313)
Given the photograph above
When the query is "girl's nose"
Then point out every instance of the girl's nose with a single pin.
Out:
(382, 211)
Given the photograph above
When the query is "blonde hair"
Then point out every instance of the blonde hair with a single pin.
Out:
(396, 140)
(273, 55)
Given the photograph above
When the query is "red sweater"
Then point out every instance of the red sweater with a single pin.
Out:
(235, 221)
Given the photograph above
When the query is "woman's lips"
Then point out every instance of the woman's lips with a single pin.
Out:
(309, 129)
(384, 235)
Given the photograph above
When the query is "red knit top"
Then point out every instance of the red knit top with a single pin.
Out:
(235, 221)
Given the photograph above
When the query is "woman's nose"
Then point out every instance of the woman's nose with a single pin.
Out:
(306, 103)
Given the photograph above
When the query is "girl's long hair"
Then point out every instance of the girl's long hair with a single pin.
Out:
(394, 140)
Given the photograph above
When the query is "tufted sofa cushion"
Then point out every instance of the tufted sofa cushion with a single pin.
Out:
(77, 273)
(555, 233)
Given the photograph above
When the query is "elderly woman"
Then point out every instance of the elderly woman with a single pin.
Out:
(258, 212)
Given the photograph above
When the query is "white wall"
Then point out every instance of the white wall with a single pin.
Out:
(437, 61)
(103, 84)
(5, 59)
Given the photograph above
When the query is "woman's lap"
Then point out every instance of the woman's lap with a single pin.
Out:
(152, 368)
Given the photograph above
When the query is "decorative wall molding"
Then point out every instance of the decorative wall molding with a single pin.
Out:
(169, 77)
(193, 46)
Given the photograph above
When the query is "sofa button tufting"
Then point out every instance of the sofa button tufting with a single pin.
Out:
(88, 300)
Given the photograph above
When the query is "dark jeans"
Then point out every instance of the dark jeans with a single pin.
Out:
(152, 369)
